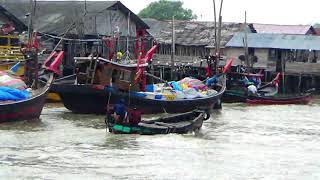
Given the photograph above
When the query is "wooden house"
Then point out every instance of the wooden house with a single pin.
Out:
(193, 40)
(102, 27)
(295, 55)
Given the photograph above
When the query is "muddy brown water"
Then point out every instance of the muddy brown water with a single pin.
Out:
(238, 142)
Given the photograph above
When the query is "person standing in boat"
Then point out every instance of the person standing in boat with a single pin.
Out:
(120, 112)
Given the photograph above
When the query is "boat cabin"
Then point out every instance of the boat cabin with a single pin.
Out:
(100, 71)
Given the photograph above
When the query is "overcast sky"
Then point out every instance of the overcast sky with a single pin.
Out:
(258, 11)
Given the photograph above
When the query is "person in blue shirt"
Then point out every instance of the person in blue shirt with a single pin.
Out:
(120, 111)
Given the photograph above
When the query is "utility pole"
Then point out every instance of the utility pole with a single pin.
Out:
(173, 46)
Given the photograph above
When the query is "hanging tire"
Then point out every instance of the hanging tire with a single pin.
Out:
(206, 115)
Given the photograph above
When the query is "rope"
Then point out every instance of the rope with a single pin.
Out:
(108, 102)
(82, 40)
(129, 95)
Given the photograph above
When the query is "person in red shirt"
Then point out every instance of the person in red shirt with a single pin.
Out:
(135, 117)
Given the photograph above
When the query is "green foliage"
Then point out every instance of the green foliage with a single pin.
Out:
(317, 25)
(165, 9)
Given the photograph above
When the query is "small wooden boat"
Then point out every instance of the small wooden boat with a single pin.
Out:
(238, 92)
(31, 108)
(180, 124)
(273, 100)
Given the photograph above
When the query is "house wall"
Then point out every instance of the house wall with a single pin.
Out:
(234, 53)
(183, 54)
(262, 55)
(110, 21)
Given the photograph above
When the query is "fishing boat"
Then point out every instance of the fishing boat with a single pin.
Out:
(31, 107)
(237, 88)
(266, 94)
(279, 100)
(178, 123)
(108, 81)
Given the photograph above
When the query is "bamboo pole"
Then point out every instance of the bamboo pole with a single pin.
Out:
(217, 55)
(245, 43)
(173, 48)
(215, 27)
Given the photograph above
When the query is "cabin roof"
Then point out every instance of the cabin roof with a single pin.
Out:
(56, 16)
(190, 33)
(282, 29)
(277, 41)
(125, 65)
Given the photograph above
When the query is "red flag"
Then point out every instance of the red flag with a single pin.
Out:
(208, 72)
(35, 40)
(227, 66)
(150, 54)
(276, 79)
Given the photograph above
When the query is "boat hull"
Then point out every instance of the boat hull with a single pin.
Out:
(88, 99)
(233, 97)
(179, 124)
(26, 109)
(301, 99)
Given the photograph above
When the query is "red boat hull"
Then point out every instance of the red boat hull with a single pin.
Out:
(26, 109)
(283, 100)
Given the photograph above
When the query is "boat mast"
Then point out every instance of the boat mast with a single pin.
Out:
(30, 24)
(31, 65)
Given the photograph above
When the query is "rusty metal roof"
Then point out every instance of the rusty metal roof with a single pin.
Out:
(190, 33)
(56, 16)
(277, 41)
(282, 29)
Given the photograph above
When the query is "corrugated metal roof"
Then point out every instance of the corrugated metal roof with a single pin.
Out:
(55, 16)
(190, 33)
(276, 41)
(317, 30)
(281, 29)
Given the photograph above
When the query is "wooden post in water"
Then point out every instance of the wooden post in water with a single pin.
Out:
(299, 84)
(283, 75)
(173, 51)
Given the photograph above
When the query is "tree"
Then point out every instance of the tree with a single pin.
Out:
(165, 9)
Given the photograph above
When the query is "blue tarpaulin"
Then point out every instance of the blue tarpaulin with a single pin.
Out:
(7, 93)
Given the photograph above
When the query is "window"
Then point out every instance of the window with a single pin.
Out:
(3, 41)
(272, 55)
(125, 75)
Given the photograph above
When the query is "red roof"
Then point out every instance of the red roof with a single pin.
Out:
(283, 29)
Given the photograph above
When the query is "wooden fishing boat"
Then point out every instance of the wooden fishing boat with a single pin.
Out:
(237, 91)
(105, 82)
(179, 123)
(31, 108)
(278, 100)
(96, 96)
